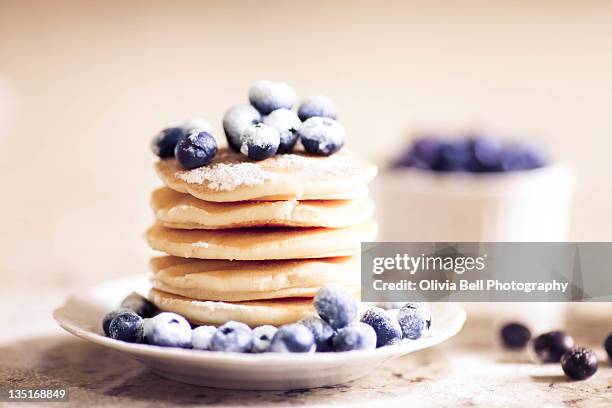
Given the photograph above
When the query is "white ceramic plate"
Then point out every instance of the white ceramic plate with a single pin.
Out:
(83, 312)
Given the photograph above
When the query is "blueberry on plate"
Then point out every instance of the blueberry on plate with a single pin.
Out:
(550, 347)
(387, 329)
(259, 141)
(287, 124)
(358, 336)
(126, 326)
(196, 149)
(414, 320)
(109, 317)
(197, 123)
(236, 119)
(201, 336)
(608, 345)
(317, 105)
(579, 363)
(335, 305)
(139, 305)
(168, 330)
(164, 142)
(515, 335)
(322, 136)
(232, 336)
(268, 96)
(262, 338)
(293, 338)
(321, 331)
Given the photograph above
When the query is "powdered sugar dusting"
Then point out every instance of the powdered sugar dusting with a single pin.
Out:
(227, 177)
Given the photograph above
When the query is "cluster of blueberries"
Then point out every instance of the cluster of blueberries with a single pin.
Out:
(335, 328)
(471, 153)
(578, 363)
(258, 130)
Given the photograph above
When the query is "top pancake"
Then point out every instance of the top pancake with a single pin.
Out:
(233, 177)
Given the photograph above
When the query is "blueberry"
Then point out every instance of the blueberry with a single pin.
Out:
(335, 305)
(197, 123)
(201, 336)
(259, 141)
(387, 329)
(293, 338)
(268, 96)
(317, 105)
(454, 155)
(515, 336)
(579, 363)
(168, 330)
(321, 331)
(164, 142)
(608, 345)
(139, 305)
(322, 136)
(486, 153)
(287, 124)
(232, 336)
(513, 158)
(126, 326)
(262, 338)
(109, 317)
(414, 320)
(549, 347)
(197, 149)
(358, 336)
(236, 119)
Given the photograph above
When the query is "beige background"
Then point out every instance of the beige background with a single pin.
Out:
(85, 85)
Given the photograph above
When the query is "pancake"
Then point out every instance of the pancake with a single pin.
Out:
(233, 177)
(254, 313)
(261, 243)
(176, 210)
(252, 280)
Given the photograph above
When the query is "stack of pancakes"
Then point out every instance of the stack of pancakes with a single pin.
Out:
(253, 241)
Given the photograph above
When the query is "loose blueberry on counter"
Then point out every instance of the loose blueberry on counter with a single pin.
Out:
(262, 338)
(201, 336)
(293, 338)
(387, 329)
(317, 105)
(549, 347)
(268, 96)
(287, 124)
(126, 326)
(232, 336)
(414, 320)
(168, 330)
(515, 335)
(139, 305)
(322, 136)
(197, 123)
(164, 142)
(196, 149)
(608, 345)
(321, 331)
(236, 120)
(109, 317)
(259, 141)
(358, 336)
(335, 305)
(579, 363)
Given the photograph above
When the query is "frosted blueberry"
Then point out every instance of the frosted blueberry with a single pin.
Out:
(287, 124)
(201, 336)
(317, 105)
(321, 331)
(550, 347)
(235, 120)
(197, 149)
(262, 338)
(139, 305)
(232, 336)
(293, 338)
(168, 330)
(335, 305)
(387, 329)
(197, 123)
(267, 96)
(322, 136)
(414, 320)
(109, 317)
(126, 326)
(358, 336)
(164, 142)
(259, 141)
